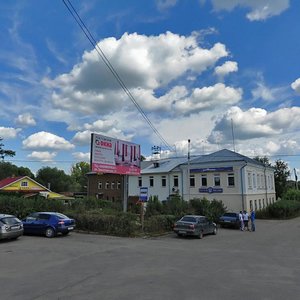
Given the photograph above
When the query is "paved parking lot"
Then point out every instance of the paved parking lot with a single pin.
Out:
(232, 265)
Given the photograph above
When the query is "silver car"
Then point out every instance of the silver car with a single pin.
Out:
(10, 227)
(194, 225)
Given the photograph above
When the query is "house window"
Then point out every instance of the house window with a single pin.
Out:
(163, 181)
(24, 184)
(262, 181)
(258, 180)
(175, 180)
(107, 185)
(254, 181)
(113, 185)
(203, 180)
(263, 203)
(217, 180)
(151, 181)
(251, 204)
(140, 181)
(231, 179)
(192, 180)
(249, 181)
(100, 185)
(255, 204)
(118, 185)
(259, 203)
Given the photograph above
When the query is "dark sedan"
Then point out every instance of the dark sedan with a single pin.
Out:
(194, 225)
(230, 219)
(48, 223)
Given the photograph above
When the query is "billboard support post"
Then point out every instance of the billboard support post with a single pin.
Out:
(125, 194)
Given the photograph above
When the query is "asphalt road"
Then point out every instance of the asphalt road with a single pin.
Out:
(231, 265)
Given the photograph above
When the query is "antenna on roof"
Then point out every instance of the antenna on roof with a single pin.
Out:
(232, 132)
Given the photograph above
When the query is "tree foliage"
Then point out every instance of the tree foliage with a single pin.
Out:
(8, 170)
(4, 153)
(281, 174)
(57, 179)
(78, 173)
(264, 160)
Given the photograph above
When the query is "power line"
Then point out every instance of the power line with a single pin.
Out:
(102, 55)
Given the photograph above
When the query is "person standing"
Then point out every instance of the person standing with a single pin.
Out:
(246, 220)
(241, 221)
(252, 218)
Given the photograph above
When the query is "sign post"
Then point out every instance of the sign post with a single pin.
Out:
(143, 199)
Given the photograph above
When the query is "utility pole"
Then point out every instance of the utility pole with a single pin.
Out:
(188, 175)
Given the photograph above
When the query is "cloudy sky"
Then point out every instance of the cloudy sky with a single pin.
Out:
(204, 70)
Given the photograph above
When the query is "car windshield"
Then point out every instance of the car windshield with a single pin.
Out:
(10, 220)
(230, 215)
(188, 219)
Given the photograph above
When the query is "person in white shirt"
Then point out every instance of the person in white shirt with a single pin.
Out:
(241, 221)
(246, 220)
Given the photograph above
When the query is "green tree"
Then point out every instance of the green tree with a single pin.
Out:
(4, 153)
(264, 160)
(78, 173)
(57, 179)
(7, 169)
(281, 174)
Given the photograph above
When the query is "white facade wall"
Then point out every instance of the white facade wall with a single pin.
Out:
(253, 186)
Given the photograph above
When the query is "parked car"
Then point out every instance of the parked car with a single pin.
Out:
(48, 223)
(10, 227)
(194, 225)
(230, 219)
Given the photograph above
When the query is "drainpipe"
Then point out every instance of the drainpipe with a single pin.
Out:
(242, 183)
(266, 186)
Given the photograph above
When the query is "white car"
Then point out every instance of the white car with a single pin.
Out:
(10, 227)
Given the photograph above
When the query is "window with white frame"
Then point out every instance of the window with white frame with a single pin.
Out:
(113, 185)
(24, 183)
(151, 181)
(118, 185)
(107, 185)
(175, 180)
(163, 181)
(140, 182)
(192, 180)
(217, 180)
(231, 179)
(203, 180)
(99, 185)
(249, 180)
(254, 180)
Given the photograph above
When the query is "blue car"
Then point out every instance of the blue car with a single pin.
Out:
(48, 223)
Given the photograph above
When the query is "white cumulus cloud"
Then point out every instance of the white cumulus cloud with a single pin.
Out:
(9, 132)
(25, 120)
(259, 9)
(42, 155)
(226, 68)
(46, 140)
(296, 85)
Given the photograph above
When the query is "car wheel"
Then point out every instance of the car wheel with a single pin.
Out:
(200, 235)
(49, 232)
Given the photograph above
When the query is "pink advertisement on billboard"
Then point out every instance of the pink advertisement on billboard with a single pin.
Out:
(109, 155)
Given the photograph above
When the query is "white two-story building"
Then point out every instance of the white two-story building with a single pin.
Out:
(238, 181)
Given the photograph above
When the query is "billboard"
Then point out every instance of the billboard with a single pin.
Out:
(109, 155)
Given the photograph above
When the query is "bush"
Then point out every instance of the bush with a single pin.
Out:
(159, 223)
(283, 209)
(211, 209)
(292, 194)
(121, 224)
(174, 206)
(154, 207)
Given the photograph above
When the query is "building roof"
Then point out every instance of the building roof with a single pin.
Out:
(7, 181)
(224, 155)
(162, 166)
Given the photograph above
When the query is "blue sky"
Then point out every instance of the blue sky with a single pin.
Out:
(198, 69)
